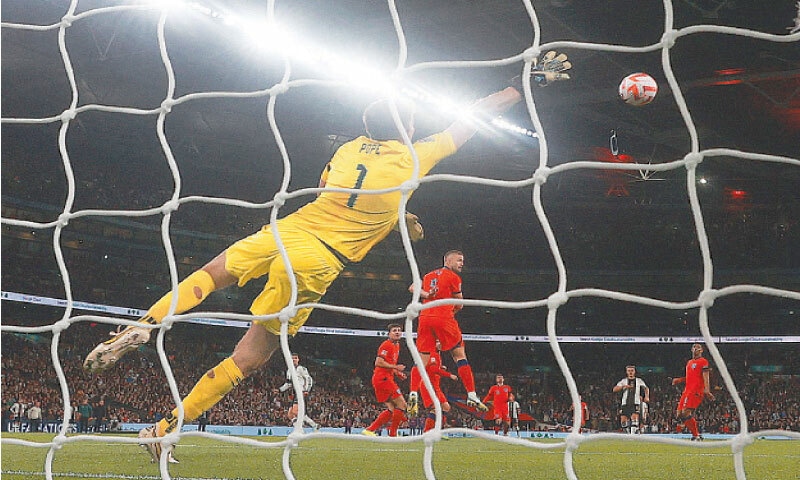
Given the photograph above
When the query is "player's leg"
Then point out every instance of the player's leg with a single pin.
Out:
(398, 414)
(292, 413)
(634, 423)
(383, 393)
(426, 342)
(251, 353)
(459, 355)
(624, 422)
(686, 407)
(191, 292)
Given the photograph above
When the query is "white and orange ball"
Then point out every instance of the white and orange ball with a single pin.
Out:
(638, 89)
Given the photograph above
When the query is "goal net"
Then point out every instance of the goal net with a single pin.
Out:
(167, 35)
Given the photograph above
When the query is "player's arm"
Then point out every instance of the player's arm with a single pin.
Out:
(459, 296)
(415, 230)
(488, 107)
(423, 294)
(679, 380)
(382, 363)
(548, 69)
(287, 384)
(308, 382)
(646, 394)
(707, 383)
(620, 386)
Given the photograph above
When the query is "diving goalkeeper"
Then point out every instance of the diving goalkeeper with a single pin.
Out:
(320, 239)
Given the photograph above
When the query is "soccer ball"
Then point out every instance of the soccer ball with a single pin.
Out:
(638, 89)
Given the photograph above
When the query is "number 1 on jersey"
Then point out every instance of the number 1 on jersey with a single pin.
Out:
(362, 172)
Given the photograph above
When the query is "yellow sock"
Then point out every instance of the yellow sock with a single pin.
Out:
(191, 292)
(214, 385)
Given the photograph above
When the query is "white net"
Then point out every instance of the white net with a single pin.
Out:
(67, 119)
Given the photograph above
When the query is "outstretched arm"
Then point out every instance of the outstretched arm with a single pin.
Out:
(488, 107)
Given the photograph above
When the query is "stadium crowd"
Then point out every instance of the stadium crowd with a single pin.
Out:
(136, 391)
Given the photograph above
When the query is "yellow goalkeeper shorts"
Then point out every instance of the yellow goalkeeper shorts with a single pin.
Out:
(315, 268)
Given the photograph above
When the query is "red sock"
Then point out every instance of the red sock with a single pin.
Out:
(380, 421)
(496, 429)
(691, 424)
(397, 419)
(465, 374)
(416, 379)
(429, 424)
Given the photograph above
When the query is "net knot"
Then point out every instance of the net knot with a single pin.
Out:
(430, 437)
(279, 89)
(531, 54)
(166, 322)
(556, 300)
(66, 21)
(287, 314)
(409, 186)
(60, 439)
(693, 159)
(541, 174)
(413, 310)
(63, 219)
(739, 442)
(60, 326)
(68, 115)
(280, 199)
(707, 297)
(170, 206)
(166, 105)
(573, 440)
(170, 439)
(669, 37)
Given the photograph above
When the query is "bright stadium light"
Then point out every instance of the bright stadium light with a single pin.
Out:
(275, 38)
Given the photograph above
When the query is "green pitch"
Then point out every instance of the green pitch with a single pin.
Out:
(457, 459)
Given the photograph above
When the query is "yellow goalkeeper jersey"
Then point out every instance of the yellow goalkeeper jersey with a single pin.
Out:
(353, 223)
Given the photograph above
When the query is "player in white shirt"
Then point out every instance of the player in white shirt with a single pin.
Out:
(306, 382)
(635, 396)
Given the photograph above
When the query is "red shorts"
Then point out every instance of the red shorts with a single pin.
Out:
(445, 329)
(503, 415)
(690, 399)
(427, 401)
(385, 388)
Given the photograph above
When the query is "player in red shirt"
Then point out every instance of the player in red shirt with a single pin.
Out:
(439, 323)
(436, 370)
(498, 397)
(386, 389)
(584, 413)
(698, 385)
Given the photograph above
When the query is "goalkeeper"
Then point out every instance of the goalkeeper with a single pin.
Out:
(320, 239)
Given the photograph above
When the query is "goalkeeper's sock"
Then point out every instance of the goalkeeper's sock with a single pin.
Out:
(397, 419)
(465, 374)
(379, 422)
(191, 292)
(211, 388)
(416, 379)
(691, 424)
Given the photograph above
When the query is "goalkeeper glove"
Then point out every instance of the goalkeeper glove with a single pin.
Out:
(415, 231)
(549, 69)
(413, 404)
